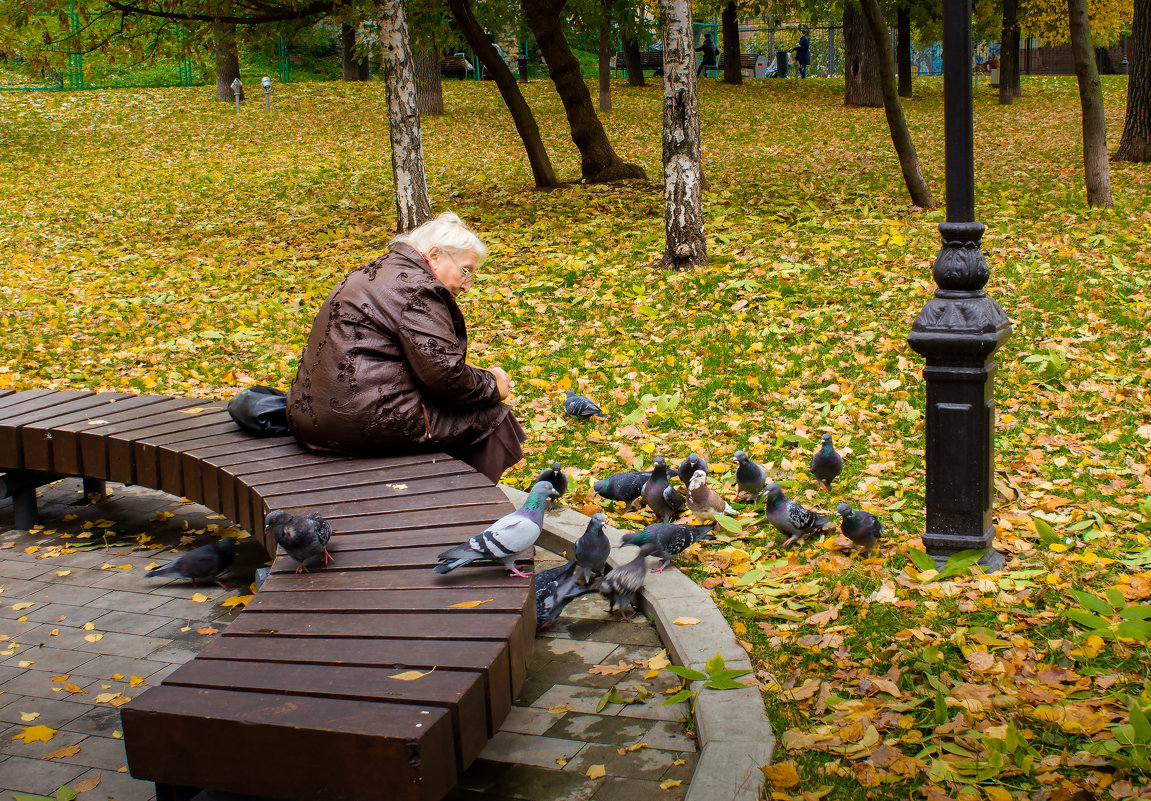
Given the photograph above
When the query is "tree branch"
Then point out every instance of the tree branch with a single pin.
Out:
(316, 8)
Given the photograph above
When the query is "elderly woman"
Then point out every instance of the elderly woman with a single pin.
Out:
(385, 369)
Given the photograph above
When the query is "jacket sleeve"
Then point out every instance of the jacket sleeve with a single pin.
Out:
(437, 359)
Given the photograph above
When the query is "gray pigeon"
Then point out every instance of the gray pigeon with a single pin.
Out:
(862, 528)
(669, 539)
(677, 502)
(581, 406)
(505, 539)
(620, 585)
(592, 548)
(654, 488)
(689, 465)
(826, 464)
(205, 563)
(624, 487)
(555, 589)
(790, 518)
(750, 477)
(705, 502)
(556, 476)
(304, 538)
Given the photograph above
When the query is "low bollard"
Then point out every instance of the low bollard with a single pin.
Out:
(266, 82)
(237, 88)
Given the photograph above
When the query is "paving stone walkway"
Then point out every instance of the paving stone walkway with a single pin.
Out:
(82, 630)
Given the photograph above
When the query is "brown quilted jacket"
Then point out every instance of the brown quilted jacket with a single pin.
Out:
(384, 369)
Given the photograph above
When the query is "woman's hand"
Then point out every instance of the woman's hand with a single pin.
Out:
(503, 382)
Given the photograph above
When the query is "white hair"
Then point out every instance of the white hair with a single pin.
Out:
(447, 232)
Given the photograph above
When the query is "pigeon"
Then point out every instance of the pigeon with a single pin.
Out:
(654, 488)
(619, 586)
(592, 548)
(200, 564)
(705, 502)
(556, 476)
(555, 589)
(581, 406)
(826, 464)
(676, 501)
(505, 539)
(689, 465)
(862, 528)
(790, 518)
(304, 538)
(750, 477)
(624, 487)
(669, 539)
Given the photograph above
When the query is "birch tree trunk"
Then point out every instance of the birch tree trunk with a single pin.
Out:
(861, 81)
(682, 171)
(1096, 171)
(525, 121)
(227, 60)
(1135, 144)
(605, 59)
(413, 206)
(732, 68)
(896, 121)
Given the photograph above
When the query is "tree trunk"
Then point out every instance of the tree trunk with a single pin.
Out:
(227, 60)
(349, 68)
(732, 73)
(1008, 52)
(429, 84)
(634, 66)
(598, 160)
(413, 206)
(896, 122)
(683, 174)
(1135, 144)
(1096, 172)
(862, 86)
(605, 59)
(903, 57)
(525, 122)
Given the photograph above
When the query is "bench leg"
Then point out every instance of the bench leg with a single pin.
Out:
(94, 486)
(24, 506)
(175, 792)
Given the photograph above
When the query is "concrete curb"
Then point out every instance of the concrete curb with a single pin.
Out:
(735, 736)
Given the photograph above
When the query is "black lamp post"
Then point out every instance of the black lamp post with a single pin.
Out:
(958, 332)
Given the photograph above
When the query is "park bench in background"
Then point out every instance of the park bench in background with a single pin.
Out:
(456, 66)
(753, 65)
(298, 698)
(648, 60)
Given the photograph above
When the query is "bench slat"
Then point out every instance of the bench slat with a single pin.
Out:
(11, 433)
(90, 438)
(39, 437)
(120, 445)
(250, 744)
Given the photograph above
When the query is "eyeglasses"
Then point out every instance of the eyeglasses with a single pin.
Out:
(465, 273)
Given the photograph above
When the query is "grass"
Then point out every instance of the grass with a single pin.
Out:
(157, 241)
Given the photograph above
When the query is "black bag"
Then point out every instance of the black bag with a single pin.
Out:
(261, 410)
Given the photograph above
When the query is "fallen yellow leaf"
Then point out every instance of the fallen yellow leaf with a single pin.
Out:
(62, 573)
(997, 794)
(26, 663)
(207, 630)
(94, 637)
(34, 734)
(237, 600)
(782, 775)
(667, 784)
(410, 675)
(470, 604)
(197, 410)
(73, 688)
(66, 751)
(596, 772)
(62, 677)
(199, 597)
(88, 626)
(686, 621)
(136, 681)
(84, 785)
(28, 717)
(22, 605)
(559, 709)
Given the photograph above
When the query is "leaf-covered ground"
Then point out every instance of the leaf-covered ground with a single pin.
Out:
(154, 240)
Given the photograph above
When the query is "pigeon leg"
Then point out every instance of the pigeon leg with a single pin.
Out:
(517, 572)
(223, 585)
(790, 540)
(661, 566)
(327, 557)
(300, 568)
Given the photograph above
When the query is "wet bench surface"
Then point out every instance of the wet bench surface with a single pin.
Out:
(298, 698)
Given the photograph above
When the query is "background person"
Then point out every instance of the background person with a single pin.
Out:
(710, 53)
(802, 53)
(385, 370)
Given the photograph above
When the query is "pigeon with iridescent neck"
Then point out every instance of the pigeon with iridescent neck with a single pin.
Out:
(592, 548)
(669, 539)
(689, 465)
(303, 537)
(862, 528)
(556, 476)
(790, 518)
(750, 477)
(625, 487)
(705, 502)
(555, 589)
(653, 491)
(581, 406)
(506, 539)
(826, 464)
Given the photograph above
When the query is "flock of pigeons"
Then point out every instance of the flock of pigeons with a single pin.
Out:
(305, 537)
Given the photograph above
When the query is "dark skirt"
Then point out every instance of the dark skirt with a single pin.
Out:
(496, 452)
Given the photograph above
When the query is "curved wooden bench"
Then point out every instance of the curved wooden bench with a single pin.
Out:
(297, 698)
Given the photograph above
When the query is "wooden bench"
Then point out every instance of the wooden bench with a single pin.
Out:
(297, 698)
(648, 60)
(754, 65)
(456, 66)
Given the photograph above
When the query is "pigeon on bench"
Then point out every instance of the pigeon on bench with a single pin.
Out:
(862, 528)
(555, 589)
(304, 537)
(826, 464)
(581, 406)
(669, 539)
(507, 538)
(592, 548)
(791, 518)
(205, 563)
(620, 585)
